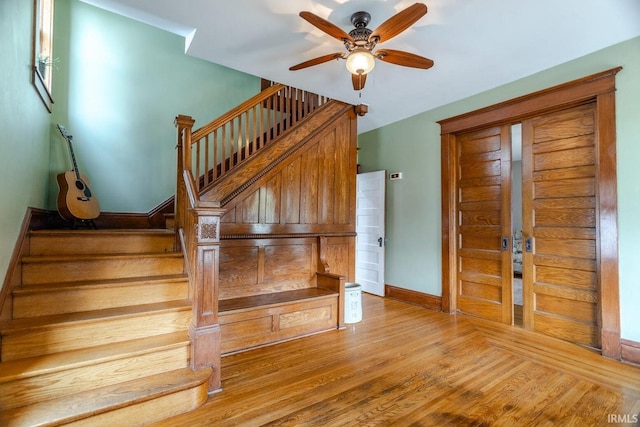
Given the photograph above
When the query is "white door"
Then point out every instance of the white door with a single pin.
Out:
(370, 191)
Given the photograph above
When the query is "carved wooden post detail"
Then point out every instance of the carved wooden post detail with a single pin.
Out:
(204, 330)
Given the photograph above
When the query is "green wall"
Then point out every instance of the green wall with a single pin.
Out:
(118, 87)
(412, 146)
(24, 127)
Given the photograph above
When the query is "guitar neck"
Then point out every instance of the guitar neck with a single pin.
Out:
(73, 159)
(68, 138)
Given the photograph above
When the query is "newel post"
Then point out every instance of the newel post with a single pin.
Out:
(204, 330)
(184, 125)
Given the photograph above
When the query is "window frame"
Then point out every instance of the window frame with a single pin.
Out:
(42, 48)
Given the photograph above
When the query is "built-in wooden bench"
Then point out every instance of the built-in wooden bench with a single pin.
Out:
(258, 320)
(270, 291)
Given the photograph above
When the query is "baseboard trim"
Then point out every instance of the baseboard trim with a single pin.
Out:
(630, 351)
(432, 302)
(13, 277)
(44, 219)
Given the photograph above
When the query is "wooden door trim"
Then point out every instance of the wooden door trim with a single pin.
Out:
(598, 88)
(536, 103)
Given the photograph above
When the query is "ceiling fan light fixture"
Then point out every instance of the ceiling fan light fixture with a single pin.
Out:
(360, 61)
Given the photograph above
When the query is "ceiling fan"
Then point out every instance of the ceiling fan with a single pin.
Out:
(361, 41)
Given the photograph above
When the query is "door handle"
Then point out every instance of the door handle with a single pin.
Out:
(528, 244)
(380, 241)
(505, 243)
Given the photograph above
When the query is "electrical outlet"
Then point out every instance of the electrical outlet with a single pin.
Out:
(395, 175)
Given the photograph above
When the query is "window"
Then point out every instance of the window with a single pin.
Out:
(43, 61)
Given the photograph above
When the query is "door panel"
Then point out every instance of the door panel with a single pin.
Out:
(560, 276)
(370, 228)
(484, 217)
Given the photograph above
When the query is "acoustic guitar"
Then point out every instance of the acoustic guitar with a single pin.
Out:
(75, 199)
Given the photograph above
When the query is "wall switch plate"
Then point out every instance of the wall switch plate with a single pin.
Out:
(395, 175)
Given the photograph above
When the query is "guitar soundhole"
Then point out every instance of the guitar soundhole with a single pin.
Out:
(87, 193)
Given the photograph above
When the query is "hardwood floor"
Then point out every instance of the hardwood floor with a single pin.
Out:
(409, 366)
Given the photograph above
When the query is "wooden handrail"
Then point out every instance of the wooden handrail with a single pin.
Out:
(234, 112)
(225, 143)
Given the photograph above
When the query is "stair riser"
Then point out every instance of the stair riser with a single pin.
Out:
(73, 244)
(92, 333)
(47, 386)
(96, 298)
(150, 411)
(35, 273)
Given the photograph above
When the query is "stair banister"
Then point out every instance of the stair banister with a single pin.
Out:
(198, 234)
(235, 112)
(224, 143)
(219, 147)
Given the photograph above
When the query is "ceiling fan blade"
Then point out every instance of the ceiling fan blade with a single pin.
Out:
(358, 81)
(326, 26)
(398, 23)
(318, 60)
(405, 59)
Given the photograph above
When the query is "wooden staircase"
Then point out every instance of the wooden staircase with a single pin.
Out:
(99, 332)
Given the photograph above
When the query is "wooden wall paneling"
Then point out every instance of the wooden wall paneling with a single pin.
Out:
(339, 254)
(259, 266)
(312, 191)
(240, 263)
(327, 179)
(343, 170)
(291, 189)
(273, 193)
(309, 186)
(251, 208)
(290, 263)
(229, 215)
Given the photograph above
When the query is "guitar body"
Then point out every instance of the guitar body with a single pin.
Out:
(75, 200)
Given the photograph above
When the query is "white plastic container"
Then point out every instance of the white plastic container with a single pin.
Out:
(352, 303)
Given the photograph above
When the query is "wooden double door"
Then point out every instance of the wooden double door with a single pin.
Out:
(558, 228)
(567, 275)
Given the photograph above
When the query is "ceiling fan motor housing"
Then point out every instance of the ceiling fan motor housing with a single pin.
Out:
(361, 33)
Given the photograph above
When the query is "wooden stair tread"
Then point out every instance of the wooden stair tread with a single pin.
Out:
(93, 284)
(274, 298)
(45, 364)
(93, 402)
(94, 257)
(56, 320)
(108, 231)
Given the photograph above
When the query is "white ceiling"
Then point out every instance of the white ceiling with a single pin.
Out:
(476, 44)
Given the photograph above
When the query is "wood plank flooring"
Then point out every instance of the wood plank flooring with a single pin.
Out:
(408, 366)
